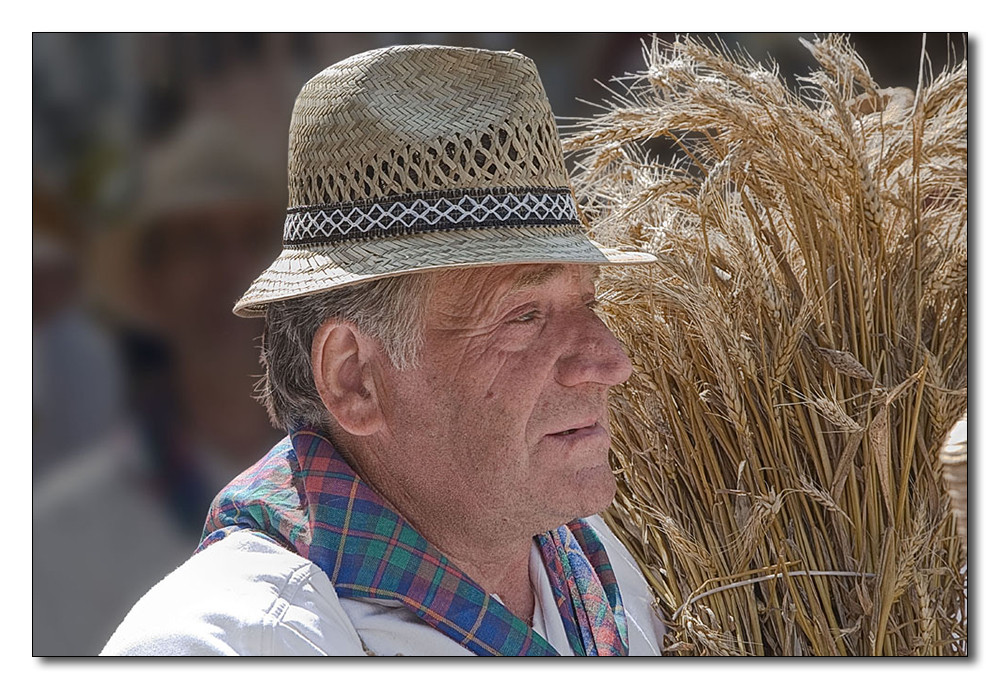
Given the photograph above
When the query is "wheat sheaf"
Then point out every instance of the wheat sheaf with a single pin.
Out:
(800, 351)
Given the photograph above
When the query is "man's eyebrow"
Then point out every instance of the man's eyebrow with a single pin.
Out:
(539, 276)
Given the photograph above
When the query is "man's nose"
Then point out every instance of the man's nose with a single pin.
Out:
(592, 354)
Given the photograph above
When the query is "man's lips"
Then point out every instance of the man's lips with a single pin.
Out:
(586, 430)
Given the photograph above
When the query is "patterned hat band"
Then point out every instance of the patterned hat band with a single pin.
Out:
(437, 211)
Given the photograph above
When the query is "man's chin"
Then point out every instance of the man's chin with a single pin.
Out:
(601, 481)
(594, 490)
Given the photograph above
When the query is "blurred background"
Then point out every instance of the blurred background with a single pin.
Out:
(158, 195)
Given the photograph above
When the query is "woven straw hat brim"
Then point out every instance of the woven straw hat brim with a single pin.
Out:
(306, 270)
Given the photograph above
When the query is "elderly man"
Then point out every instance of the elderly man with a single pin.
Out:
(432, 349)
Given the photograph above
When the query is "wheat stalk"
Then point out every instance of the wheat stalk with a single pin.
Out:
(800, 350)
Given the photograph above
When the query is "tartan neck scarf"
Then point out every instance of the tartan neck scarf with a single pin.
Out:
(307, 498)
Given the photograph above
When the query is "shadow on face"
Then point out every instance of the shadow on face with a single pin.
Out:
(504, 420)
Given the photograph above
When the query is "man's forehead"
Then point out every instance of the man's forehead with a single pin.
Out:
(531, 276)
(481, 286)
(513, 278)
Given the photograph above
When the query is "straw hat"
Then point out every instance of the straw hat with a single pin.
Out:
(411, 158)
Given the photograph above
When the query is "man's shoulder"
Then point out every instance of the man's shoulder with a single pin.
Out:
(244, 595)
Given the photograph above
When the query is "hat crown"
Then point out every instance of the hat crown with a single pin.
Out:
(416, 119)
(415, 158)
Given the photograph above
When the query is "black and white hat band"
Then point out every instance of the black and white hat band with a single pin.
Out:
(436, 211)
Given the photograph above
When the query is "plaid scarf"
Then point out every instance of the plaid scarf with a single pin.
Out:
(304, 496)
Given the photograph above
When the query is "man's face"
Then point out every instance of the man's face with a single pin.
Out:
(504, 420)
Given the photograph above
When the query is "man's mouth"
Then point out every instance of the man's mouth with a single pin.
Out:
(573, 431)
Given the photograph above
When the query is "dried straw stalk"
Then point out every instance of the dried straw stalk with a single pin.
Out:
(800, 351)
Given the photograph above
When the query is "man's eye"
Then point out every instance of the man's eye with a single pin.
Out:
(528, 316)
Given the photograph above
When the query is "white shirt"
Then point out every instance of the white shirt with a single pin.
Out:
(246, 595)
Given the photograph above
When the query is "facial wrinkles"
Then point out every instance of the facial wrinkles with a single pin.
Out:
(468, 329)
(566, 293)
(470, 311)
(485, 392)
(496, 362)
(580, 393)
(460, 326)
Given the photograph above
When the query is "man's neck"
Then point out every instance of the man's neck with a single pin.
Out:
(494, 556)
(506, 575)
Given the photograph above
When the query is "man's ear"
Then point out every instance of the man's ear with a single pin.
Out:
(342, 361)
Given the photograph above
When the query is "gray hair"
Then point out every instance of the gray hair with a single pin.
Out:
(391, 310)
